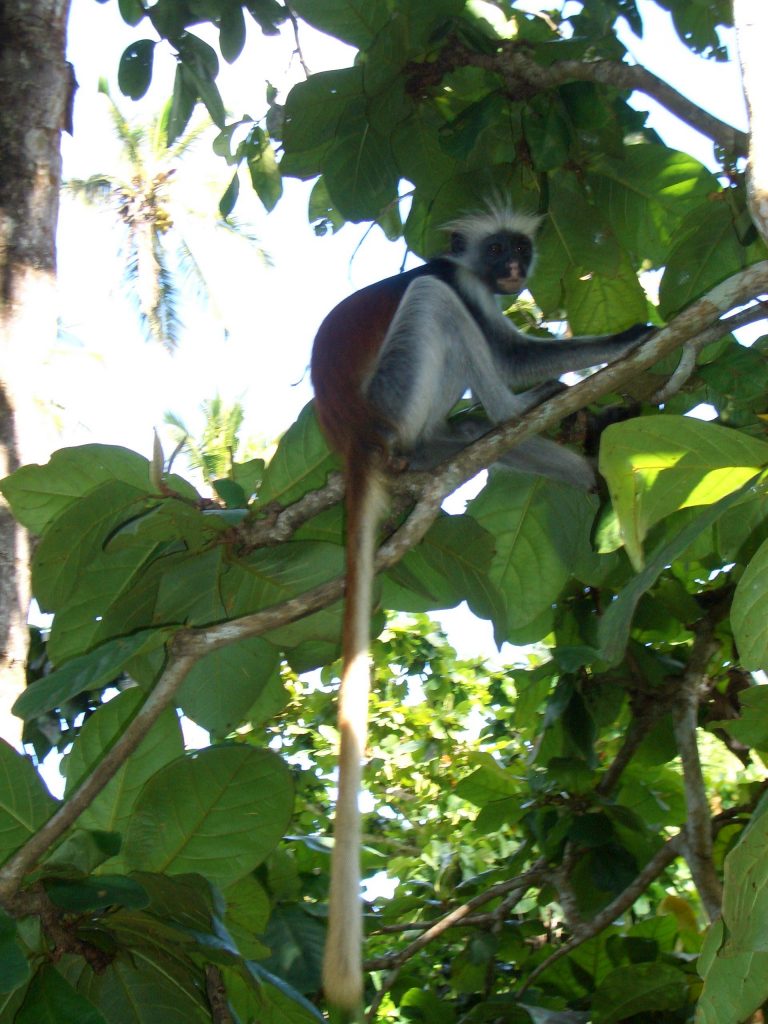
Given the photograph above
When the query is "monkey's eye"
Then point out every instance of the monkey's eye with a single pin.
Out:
(494, 249)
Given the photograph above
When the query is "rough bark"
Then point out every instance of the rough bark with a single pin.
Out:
(35, 96)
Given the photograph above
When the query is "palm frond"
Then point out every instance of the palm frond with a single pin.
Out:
(99, 189)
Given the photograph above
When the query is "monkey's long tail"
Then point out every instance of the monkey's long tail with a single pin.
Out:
(342, 964)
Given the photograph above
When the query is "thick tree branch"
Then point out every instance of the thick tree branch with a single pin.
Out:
(191, 645)
(523, 76)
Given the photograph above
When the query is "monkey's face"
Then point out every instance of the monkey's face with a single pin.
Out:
(506, 259)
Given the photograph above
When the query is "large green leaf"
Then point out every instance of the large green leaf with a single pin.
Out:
(300, 464)
(359, 171)
(354, 21)
(37, 494)
(634, 989)
(659, 464)
(749, 612)
(272, 575)
(87, 672)
(113, 806)
(734, 959)
(14, 966)
(706, 251)
(539, 527)
(25, 803)
(449, 566)
(50, 999)
(616, 622)
(72, 543)
(646, 193)
(313, 111)
(233, 685)
(218, 812)
(150, 984)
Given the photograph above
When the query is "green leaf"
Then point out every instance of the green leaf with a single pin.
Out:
(539, 527)
(183, 102)
(449, 566)
(271, 575)
(360, 171)
(296, 941)
(248, 909)
(262, 167)
(751, 727)
(300, 464)
(96, 893)
(736, 953)
(734, 986)
(50, 1000)
(37, 494)
(228, 200)
(546, 131)
(131, 11)
(134, 73)
(87, 672)
(81, 852)
(354, 21)
(231, 32)
(228, 687)
(615, 624)
(259, 996)
(706, 251)
(646, 193)
(14, 966)
(151, 983)
(748, 612)
(639, 988)
(219, 812)
(74, 541)
(25, 803)
(659, 464)
(111, 809)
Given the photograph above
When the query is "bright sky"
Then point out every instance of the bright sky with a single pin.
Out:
(108, 384)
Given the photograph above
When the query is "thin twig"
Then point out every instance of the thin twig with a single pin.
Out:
(513, 888)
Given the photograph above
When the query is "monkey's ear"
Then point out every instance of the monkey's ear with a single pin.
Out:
(458, 243)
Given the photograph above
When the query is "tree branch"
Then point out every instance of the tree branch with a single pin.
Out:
(523, 76)
(513, 888)
(698, 826)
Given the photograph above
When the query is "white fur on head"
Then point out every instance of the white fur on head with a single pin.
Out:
(499, 216)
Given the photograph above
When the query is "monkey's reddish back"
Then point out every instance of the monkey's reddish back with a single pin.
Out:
(343, 359)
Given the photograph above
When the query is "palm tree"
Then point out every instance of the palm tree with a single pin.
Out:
(213, 452)
(157, 252)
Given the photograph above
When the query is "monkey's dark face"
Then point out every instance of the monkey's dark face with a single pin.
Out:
(505, 260)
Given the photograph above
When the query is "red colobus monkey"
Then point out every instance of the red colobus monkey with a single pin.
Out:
(388, 365)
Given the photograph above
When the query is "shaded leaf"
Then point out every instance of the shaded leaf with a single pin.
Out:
(219, 812)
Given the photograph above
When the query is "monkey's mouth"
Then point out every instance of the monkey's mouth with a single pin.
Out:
(511, 283)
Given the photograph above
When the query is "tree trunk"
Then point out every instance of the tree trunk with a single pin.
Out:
(36, 86)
